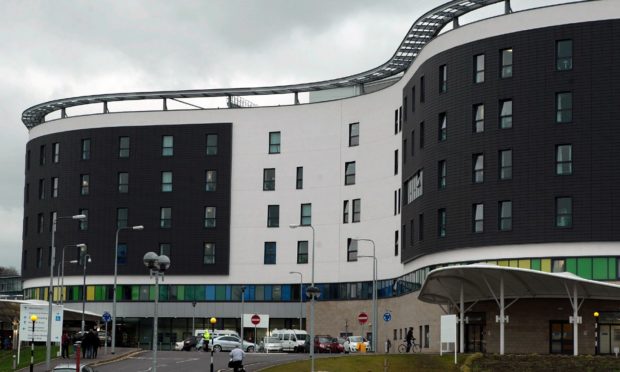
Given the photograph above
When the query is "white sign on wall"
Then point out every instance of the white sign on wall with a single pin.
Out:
(40, 326)
(264, 321)
(448, 334)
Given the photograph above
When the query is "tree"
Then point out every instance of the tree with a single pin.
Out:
(8, 271)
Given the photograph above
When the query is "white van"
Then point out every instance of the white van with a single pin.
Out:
(292, 339)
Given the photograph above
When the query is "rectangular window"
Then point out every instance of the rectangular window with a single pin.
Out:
(122, 217)
(274, 142)
(443, 78)
(299, 183)
(412, 144)
(349, 173)
(42, 155)
(404, 108)
(564, 160)
(123, 147)
(422, 89)
(357, 210)
(506, 63)
(354, 134)
(478, 168)
(123, 182)
(415, 186)
(121, 257)
(441, 223)
(396, 240)
(558, 265)
(39, 257)
(479, 68)
(505, 114)
(273, 216)
(83, 224)
(421, 227)
(351, 250)
(40, 223)
(167, 145)
(269, 179)
(396, 162)
(345, 211)
(53, 216)
(413, 99)
(210, 220)
(564, 55)
(505, 164)
(442, 174)
(208, 257)
(211, 180)
(478, 125)
(165, 217)
(42, 188)
(564, 107)
(84, 184)
(411, 232)
(421, 135)
(564, 212)
(505, 215)
(165, 249)
(166, 181)
(85, 149)
(28, 160)
(211, 144)
(270, 253)
(443, 127)
(54, 187)
(306, 215)
(478, 218)
(396, 121)
(400, 118)
(55, 152)
(302, 252)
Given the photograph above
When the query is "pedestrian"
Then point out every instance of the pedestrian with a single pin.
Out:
(236, 359)
(388, 346)
(64, 342)
(95, 343)
(85, 345)
(347, 346)
(409, 338)
(207, 338)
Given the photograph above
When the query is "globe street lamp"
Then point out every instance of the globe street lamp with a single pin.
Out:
(301, 295)
(34, 320)
(50, 295)
(213, 321)
(374, 293)
(157, 265)
(194, 318)
(137, 227)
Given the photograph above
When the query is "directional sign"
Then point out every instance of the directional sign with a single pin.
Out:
(387, 317)
(255, 319)
(362, 318)
(106, 317)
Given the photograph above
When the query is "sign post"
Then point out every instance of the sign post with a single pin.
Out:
(106, 318)
(255, 320)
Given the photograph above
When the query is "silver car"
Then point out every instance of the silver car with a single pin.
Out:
(271, 344)
(71, 367)
(231, 342)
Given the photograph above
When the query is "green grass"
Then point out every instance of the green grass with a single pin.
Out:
(6, 357)
(546, 363)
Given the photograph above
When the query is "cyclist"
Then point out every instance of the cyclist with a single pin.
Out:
(410, 339)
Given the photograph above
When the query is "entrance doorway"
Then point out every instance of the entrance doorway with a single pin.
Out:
(560, 337)
(609, 334)
(474, 333)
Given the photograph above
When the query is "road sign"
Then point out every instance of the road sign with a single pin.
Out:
(106, 316)
(255, 319)
(362, 318)
(387, 317)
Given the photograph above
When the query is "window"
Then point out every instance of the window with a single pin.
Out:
(564, 212)
(351, 250)
(396, 121)
(123, 147)
(354, 134)
(211, 144)
(411, 232)
(53, 216)
(28, 160)
(42, 188)
(349, 173)
(412, 144)
(564, 160)
(443, 127)
(479, 68)
(443, 78)
(27, 193)
(274, 142)
(478, 220)
(396, 239)
(269, 179)
(422, 135)
(121, 257)
(404, 109)
(83, 224)
(302, 252)
(39, 257)
(84, 184)
(299, 183)
(42, 155)
(564, 107)
(208, 257)
(165, 217)
(505, 215)
(306, 215)
(55, 152)
(357, 210)
(40, 223)
(413, 99)
(396, 162)
(506, 63)
(123, 182)
(415, 186)
(166, 181)
(165, 249)
(167, 145)
(270, 253)
(422, 89)
(54, 187)
(273, 216)
(558, 265)
(442, 174)
(122, 217)
(421, 227)
(211, 180)
(345, 212)
(210, 221)
(478, 168)
(478, 118)
(505, 114)
(505, 164)
(564, 55)
(441, 223)
(85, 148)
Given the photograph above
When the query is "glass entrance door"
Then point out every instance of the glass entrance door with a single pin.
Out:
(561, 337)
(474, 338)
(609, 338)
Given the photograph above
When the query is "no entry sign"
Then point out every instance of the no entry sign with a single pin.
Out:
(255, 319)
(362, 318)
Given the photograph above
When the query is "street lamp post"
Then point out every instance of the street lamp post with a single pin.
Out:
(60, 280)
(301, 295)
(50, 295)
(242, 312)
(34, 320)
(374, 294)
(137, 227)
(85, 259)
(157, 265)
(194, 318)
(213, 321)
(312, 293)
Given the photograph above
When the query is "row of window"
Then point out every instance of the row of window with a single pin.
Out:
(273, 215)
(269, 179)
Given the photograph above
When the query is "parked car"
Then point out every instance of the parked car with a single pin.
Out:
(104, 338)
(271, 344)
(323, 343)
(187, 344)
(71, 367)
(230, 342)
(292, 339)
(337, 345)
(355, 342)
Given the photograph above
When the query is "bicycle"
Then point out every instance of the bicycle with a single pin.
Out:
(402, 348)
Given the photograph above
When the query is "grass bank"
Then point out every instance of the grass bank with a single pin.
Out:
(6, 357)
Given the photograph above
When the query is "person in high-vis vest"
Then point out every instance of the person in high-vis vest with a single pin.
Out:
(207, 338)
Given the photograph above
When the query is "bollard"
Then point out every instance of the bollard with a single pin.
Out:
(14, 361)
(77, 356)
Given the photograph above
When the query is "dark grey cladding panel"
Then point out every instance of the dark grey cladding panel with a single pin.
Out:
(594, 135)
(144, 199)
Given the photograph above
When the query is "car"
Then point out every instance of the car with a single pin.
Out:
(187, 344)
(355, 342)
(337, 345)
(230, 342)
(71, 367)
(323, 343)
(271, 344)
(103, 338)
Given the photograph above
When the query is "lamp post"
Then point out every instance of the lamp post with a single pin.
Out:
(157, 265)
(301, 296)
(374, 293)
(194, 318)
(242, 312)
(60, 280)
(312, 292)
(50, 295)
(34, 320)
(85, 259)
(137, 227)
(212, 321)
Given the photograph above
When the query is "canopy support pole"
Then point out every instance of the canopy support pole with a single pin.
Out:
(575, 320)
(502, 313)
(462, 321)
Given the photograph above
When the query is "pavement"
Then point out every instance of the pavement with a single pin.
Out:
(102, 358)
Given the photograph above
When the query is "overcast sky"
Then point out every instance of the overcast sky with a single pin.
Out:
(65, 48)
